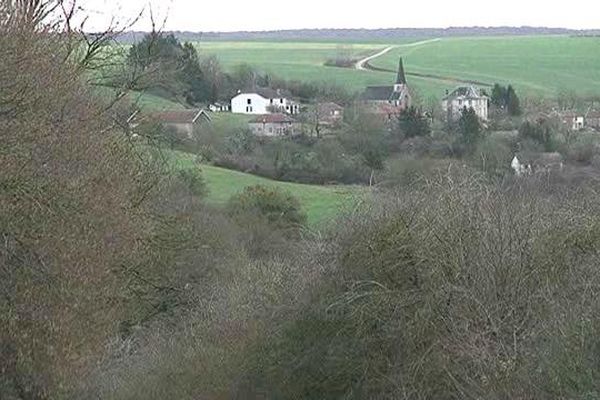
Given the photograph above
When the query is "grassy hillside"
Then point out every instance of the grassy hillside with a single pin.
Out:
(544, 65)
(298, 61)
(146, 101)
(321, 203)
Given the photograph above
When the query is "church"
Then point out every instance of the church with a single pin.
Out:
(388, 100)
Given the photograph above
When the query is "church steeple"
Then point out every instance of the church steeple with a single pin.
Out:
(401, 79)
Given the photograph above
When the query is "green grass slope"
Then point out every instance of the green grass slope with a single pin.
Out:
(322, 204)
(543, 65)
(298, 61)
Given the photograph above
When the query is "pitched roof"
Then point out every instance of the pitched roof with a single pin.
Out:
(380, 93)
(181, 116)
(468, 92)
(273, 119)
(401, 78)
(269, 93)
(593, 114)
(329, 106)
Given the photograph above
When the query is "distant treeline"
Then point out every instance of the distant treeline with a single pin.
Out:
(365, 34)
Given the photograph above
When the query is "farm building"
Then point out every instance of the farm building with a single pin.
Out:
(264, 101)
(329, 114)
(592, 120)
(528, 164)
(465, 97)
(182, 121)
(219, 107)
(574, 122)
(388, 100)
(274, 125)
(579, 121)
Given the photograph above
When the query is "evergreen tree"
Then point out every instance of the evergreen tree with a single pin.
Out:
(196, 89)
(506, 99)
(499, 94)
(177, 66)
(412, 123)
(155, 48)
(513, 105)
(470, 127)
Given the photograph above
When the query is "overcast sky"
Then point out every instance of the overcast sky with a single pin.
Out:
(237, 15)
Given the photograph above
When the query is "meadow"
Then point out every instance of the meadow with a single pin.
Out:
(541, 65)
(322, 204)
(306, 62)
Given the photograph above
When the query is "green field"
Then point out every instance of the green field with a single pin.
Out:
(300, 61)
(322, 204)
(542, 65)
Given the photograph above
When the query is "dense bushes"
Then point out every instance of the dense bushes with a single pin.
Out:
(281, 210)
(70, 188)
(450, 291)
(302, 159)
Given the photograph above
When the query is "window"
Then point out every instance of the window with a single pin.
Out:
(249, 101)
(280, 101)
(271, 101)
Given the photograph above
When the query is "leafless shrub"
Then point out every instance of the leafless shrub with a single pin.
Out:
(452, 289)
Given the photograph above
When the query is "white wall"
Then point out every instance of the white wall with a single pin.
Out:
(455, 107)
(275, 129)
(258, 104)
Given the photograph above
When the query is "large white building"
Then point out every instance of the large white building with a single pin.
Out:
(465, 97)
(264, 101)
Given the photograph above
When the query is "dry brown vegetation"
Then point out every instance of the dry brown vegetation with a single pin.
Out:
(117, 282)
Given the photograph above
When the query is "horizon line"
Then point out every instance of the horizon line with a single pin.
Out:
(376, 29)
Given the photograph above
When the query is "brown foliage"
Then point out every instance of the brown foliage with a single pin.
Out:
(70, 191)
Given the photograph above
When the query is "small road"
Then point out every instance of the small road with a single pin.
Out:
(363, 65)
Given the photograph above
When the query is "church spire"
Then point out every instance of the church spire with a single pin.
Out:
(401, 80)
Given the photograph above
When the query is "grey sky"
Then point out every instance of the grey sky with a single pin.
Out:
(235, 15)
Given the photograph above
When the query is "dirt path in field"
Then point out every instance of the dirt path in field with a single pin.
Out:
(365, 65)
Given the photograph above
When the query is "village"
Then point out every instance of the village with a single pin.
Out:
(275, 113)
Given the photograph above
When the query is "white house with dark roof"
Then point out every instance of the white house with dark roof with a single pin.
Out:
(465, 97)
(264, 101)
(388, 100)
